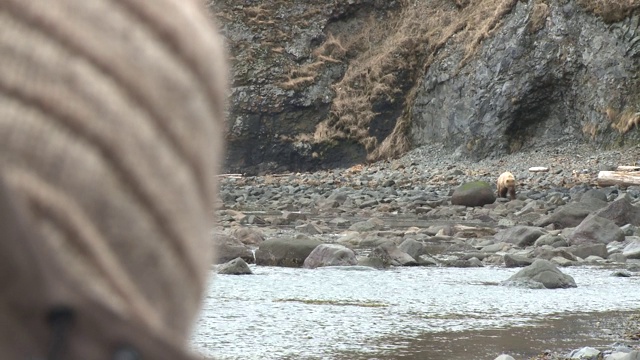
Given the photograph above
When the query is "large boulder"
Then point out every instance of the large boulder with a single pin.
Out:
(476, 193)
(285, 251)
(632, 250)
(543, 272)
(585, 250)
(621, 212)
(521, 236)
(391, 255)
(572, 214)
(247, 235)
(595, 229)
(511, 261)
(412, 247)
(228, 248)
(236, 266)
(330, 255)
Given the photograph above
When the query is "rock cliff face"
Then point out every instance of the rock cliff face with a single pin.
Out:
(345, 81)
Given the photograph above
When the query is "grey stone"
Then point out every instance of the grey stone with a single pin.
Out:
(412, 247)
(546, 273)
(285, 251)
(228, 248)
(391, 255)
(521, 236)
(569, 215)
(632, 250)
(621, 212)
(330, 255)
(511, 261)
(595, 229)
(477, 193)
(586, 353)
(236, 266)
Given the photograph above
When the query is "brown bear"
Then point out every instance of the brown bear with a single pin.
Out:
(507, 183)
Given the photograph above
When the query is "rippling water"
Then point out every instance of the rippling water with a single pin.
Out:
(325, 313)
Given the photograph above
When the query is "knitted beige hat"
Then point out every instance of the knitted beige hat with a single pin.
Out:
(111, 129)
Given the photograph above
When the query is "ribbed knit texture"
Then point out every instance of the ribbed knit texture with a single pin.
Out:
(111, 116)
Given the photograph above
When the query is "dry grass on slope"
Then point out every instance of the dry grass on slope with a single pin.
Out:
(392, 57)
(610, 10)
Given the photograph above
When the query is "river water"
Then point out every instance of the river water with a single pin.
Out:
(403, 313)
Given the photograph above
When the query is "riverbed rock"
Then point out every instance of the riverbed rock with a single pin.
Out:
(330, 255)
(543, 272)
(412, 247)
(586, 353)
(570, 215)
(236, 266)
(551, 240)
(595, 229)
(621, 212)
(285, 251)
(505, 357)
(511, 261)
(248, 235)
(229, 248)
(521, 236)
(632, 250)
(620, 355)
(476, 193)
(585, 250)
(368, 225)
(390, 254)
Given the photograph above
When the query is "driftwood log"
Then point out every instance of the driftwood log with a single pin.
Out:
(111, 131)
(621, 178)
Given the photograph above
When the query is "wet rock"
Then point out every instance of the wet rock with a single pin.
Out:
(569, 215)
(621, 273)
(248, 236)
(543, 272)
(633, 355)
(521, 236)
(505, 357)
(585, 250)
(549, 253)
(462, 263)
(311, 229)
(368, 225)
(412, 247)
(551, 240)
(586, 353)
(621, 212)
(236, 266)
(229, 248)
(511, 261)
(373, 262)
(330, 255)
(477, 193)
(632, 250)
(390, 254)
(593, 194)
(494, 248)
(285, 251)
(595, 229)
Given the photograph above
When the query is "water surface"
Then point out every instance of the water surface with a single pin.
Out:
(359, 313)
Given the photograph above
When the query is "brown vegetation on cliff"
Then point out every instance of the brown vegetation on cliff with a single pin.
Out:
(610, 10)
(389, 59)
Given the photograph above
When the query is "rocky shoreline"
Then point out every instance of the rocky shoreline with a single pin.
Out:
(400, 213)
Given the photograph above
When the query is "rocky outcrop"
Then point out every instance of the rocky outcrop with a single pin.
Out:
(334, 83)
(476, 193)
(330, 255)
(288, 252)
(541, 272)
(236, 266)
